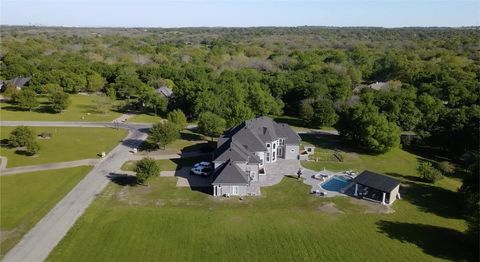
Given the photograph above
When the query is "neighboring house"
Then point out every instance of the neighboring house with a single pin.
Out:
(18, 82)
(243, 151)
(376, 187)
(165, 91)
(378, 86)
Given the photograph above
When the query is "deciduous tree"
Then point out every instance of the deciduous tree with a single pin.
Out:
(146, 169)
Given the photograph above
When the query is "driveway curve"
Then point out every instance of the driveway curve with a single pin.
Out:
(47, 233)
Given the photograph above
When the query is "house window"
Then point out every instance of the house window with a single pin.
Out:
(282, 141)
(309, 150)
(273, 156)
(235, 190)
(274, 145)
(268, 157)
(268, 145)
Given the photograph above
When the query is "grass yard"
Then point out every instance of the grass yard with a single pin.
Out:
(297, 124)
(144, 118)
(66, 144)
(82, 106)
(20, 211)
(169, 164)
(165, 223)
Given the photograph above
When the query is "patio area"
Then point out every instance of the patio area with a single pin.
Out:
(274, 172)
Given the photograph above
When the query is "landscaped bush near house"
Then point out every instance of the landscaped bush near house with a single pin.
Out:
(428, 172)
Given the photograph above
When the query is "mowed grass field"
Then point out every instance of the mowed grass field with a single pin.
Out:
(82, 108)
(26, 198)
(145, 118)
(66, 144)
(165, 223)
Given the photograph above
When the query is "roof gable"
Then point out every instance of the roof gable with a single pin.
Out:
(230, 173)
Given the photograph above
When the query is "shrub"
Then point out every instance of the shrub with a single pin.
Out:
(145, 169)
(428, 172)
(21, 136)
(32, 148)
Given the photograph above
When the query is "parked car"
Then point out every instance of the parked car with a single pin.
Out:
(203, 164)
(200, 171)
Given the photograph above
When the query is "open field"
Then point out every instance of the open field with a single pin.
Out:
(26, 198)
(144, 118)
(82, 106)
(165, 223)
(66, 144)
(297, 124)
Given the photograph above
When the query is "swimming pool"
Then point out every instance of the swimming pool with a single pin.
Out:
(335, 183)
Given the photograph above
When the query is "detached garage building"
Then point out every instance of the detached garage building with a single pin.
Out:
(376, 187)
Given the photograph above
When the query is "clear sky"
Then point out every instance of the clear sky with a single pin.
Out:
(168, 13)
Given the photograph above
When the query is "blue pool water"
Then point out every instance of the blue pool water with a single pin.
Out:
(335, 183)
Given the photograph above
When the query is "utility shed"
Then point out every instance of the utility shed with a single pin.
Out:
(377, 187)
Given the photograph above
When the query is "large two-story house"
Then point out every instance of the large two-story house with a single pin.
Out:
(244, 150)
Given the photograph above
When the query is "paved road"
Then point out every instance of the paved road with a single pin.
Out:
(58, 165)
(47, 233)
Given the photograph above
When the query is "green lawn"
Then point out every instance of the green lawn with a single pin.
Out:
(144, 118)
(165, 223)
(81, 109)
(298, 124)
(169, 164)
(66, 144)
(26, 198)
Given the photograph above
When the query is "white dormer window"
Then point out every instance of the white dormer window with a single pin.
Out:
(268, 145)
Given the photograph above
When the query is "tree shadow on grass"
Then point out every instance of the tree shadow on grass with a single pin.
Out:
(291, 121)
(439, 242)
(332, 142)
(432, 199)
(122, 179)
(406, 177)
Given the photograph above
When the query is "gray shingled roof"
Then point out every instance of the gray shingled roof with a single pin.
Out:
(230, 173)
(254, 133)
(164, 90)
(20, 81)
(239, 143)
(376, 181)
(232, 150)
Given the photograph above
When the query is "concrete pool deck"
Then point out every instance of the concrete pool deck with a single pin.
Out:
(308, 178)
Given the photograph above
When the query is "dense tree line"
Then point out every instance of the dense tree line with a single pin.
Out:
(311, 72)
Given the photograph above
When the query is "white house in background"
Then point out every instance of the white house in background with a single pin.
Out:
(243, 151)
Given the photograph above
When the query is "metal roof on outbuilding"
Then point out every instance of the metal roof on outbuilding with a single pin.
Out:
(376, 181)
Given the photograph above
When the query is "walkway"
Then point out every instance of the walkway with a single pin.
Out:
(45, 235)
(58, 165)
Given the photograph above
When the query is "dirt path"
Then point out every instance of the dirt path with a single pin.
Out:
(60, 165)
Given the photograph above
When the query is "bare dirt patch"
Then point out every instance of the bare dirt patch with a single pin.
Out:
(329, 208)
(372, 208)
